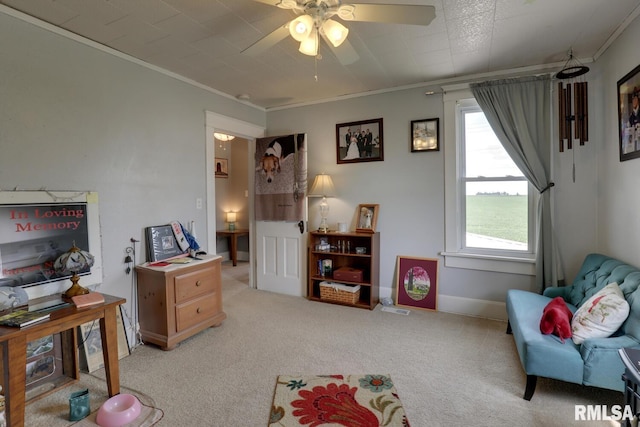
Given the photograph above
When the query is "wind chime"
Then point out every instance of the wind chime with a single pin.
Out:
(576, 113)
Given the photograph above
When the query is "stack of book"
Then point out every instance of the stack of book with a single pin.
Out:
(22, 318)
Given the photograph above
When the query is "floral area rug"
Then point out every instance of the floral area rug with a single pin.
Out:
(336, 400)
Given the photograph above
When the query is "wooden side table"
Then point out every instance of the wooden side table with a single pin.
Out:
(65, 320)
(232, 238)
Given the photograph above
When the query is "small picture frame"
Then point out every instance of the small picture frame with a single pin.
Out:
(417, 283)
(222, 168)
(359, 141)
(367, 218)
(425, 135)
(629, 115)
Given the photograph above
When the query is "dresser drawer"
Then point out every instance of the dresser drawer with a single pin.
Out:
(193, 284)
(196, 311)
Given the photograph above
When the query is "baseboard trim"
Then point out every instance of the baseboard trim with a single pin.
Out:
(472, 307)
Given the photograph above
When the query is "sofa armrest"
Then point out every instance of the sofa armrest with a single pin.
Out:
(622, 341)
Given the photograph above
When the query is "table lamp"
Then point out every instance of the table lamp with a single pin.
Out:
(231, 219)
(73, 262)
(323, 186)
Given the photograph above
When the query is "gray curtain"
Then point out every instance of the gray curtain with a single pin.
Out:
(519, 112)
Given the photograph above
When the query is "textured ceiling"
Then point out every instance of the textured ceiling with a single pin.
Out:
(202, 40)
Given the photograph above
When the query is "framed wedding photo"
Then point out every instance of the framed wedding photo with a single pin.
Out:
(417, 283)
(629, 115)
(425, 135)
(367, 218)
(359, 141)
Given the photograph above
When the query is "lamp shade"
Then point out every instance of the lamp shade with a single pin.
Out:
(73, 261)
(309, 46)
(335, 32)
(300, 28)
(231, 216)
(322, 186)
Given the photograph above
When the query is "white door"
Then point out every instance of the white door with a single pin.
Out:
(281, 261)
(281, 258)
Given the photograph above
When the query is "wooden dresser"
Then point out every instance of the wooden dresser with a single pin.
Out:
(179, 300)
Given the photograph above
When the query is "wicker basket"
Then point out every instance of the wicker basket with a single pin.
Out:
(339, 293)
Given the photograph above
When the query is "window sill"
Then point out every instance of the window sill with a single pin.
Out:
(500, 264)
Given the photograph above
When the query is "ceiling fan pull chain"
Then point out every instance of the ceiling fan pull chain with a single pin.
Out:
(315, 62)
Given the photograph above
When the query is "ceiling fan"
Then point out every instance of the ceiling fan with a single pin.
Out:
(315, 19)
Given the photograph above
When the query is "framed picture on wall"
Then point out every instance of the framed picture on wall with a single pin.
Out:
(222, 168)
(425, 135)
(629, 115)
(359, 141)
(417, 283)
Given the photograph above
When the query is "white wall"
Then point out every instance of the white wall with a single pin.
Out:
(73, 117)
(618, 194)
(409, 187)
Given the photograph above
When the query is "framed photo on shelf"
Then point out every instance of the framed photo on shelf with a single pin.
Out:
(629, 115)
(359, 141)
(222, 166)
(417, 283)
(367, 218)
(91, 342)
(425, 135)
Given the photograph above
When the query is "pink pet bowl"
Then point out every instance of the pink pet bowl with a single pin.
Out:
(118, 410)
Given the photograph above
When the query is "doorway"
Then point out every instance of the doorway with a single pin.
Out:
(215, 220)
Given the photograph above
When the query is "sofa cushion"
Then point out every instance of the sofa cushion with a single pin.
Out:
(601, 315)
(556, 319)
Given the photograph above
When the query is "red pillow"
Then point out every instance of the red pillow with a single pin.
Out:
(556, 319)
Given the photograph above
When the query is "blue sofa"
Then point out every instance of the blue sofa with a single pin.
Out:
(596, 361)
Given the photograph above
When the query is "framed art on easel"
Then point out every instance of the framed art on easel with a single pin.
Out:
(417, 283)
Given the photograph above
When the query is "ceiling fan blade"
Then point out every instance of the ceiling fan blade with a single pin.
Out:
(392, 14)
(268, 41)
(345, 53)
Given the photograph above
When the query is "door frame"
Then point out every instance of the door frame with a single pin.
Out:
(215, 122)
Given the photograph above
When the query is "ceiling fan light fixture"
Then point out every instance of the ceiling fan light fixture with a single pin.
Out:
(309, 46)
(335, 32)
(301, 27)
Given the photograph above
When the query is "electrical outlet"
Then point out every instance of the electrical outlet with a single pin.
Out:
(198, 203)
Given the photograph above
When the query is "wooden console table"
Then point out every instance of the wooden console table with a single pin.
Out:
(232, 238)
(64, 321)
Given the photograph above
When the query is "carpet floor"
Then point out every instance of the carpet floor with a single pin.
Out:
(448, 369)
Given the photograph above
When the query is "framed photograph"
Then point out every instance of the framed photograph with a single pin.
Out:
(222, 170)
(425, 135)
(417, 283)
(91, 341)
(359, 141)
(629, 115)
(367, 218)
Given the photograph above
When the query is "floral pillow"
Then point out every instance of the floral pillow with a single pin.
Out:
(601, 315)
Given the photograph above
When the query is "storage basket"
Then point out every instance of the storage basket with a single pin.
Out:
(339, 293)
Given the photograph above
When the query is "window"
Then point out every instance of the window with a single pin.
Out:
(489, 203)
(494, 193)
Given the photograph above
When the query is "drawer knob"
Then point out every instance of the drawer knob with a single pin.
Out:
(198, 283)
(198, 310)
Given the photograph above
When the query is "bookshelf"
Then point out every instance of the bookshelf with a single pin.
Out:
(340, 250)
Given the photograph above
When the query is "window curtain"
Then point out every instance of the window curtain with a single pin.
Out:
(519, 112)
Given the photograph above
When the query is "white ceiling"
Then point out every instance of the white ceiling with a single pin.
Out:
(202, 40)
